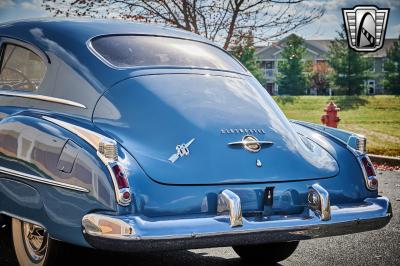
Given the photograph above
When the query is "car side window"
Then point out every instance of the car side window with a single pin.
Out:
(21, 69)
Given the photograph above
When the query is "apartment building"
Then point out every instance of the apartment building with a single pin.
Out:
(317, 51)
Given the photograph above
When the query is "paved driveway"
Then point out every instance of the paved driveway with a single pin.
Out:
(380, 247)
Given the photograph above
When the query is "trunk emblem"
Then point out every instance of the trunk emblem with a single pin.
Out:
(251, 143)
(181, 150)
(242, 131)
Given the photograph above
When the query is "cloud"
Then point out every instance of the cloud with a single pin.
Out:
(337, 5)
(329, 4)
(7, 3)
(32, 4)
(396, 30)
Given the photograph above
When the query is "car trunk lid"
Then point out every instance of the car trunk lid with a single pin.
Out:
(151, 115)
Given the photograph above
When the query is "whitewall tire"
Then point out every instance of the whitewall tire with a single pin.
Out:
(32, 244)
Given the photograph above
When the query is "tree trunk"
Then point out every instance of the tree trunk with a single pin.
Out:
(236, 10)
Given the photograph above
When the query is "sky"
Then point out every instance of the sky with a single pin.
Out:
(324, 28)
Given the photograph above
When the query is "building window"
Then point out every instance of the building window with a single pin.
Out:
(270, 65)
(269, 68)
(370, 87)
(384, 61)
(372, 65)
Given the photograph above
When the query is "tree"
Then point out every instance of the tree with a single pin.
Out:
(319, 77)
(217, 20)
(351, 68)
(291, 76)
(392, 68)
(244, 51)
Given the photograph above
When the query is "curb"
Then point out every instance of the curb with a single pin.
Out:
(387, 160)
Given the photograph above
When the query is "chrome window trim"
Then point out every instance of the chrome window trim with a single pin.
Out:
(29, 48)
(41, 53)
(41, 180)
(90, 47)
(40, 97)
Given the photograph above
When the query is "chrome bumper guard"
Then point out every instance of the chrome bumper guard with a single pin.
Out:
(228, 228)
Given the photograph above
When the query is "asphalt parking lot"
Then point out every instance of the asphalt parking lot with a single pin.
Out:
(380, 247)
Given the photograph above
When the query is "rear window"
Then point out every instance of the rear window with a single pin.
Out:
(138, 51)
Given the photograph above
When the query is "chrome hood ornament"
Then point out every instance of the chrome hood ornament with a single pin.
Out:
(181, 150)
(251, 143)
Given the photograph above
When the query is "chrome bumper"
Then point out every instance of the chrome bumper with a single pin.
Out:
(135, 233)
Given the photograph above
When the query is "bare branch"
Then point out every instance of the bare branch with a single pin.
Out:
(217, 20)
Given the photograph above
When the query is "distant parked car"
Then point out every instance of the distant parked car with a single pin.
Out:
(133, 137)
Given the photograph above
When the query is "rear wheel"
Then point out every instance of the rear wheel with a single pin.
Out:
(32, 244)
(269, 253)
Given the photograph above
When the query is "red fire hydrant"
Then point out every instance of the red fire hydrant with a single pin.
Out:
(331, 119)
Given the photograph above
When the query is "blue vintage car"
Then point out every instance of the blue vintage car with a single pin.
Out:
(134, 137)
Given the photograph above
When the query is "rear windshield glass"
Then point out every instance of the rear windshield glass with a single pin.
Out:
(137, 51)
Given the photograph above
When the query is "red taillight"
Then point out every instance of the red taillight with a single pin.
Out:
(373, 182)
(370, 178)
(369, 168)
(126, 195)
(120, 175)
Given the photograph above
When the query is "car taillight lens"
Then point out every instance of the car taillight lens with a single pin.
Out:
(124, 192)
(369, 168)
(369, 172)
(120, 176)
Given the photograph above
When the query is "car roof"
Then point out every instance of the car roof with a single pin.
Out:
(67, 40)
(85, 29)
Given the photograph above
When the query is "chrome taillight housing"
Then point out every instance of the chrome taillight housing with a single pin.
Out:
(358, 142)
(369, 173)
(108, 148)
(107, 151)
(124, 193)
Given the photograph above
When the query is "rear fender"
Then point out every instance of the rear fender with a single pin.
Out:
(51, 177)
(351, 174)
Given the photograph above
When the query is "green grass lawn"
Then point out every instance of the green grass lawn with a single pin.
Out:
(376, 117)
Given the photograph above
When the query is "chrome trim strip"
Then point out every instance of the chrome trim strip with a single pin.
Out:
(41, 180)
(229, 201)
(41, 98)
(92, 138)
(244, 142)
(251, 143)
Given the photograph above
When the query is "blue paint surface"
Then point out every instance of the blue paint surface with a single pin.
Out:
(148, 112)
